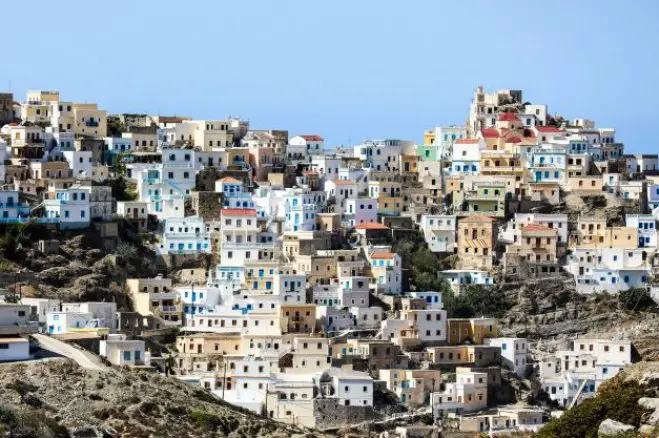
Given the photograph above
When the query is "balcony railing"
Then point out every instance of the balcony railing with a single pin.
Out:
(170, 309)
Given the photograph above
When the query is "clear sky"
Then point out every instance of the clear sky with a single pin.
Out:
(346, 69)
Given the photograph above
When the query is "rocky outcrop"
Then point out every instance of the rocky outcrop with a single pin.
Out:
(65, 400)
(651, 404)
(612, 427)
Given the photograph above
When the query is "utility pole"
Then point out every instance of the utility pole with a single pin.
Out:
(266, 399)
(432, 408)
(224, 380)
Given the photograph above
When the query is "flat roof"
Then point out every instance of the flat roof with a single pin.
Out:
(13, 340)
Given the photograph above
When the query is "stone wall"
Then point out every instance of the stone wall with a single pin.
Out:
(207, 204)
(329, 413)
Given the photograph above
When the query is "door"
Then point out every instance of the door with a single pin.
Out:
(538, 176)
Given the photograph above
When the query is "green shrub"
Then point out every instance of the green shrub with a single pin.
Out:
(616, 399)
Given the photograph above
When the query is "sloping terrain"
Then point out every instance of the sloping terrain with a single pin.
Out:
(56, 398)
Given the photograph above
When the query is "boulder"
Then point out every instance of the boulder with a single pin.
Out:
(653, 405)
(612, 427)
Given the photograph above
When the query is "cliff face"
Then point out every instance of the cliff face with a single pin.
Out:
(550, 309)
(56, 398)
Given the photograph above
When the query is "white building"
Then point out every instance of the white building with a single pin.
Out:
(240, 237)
(386, 270)
(360, 211)
(186, 235)
(647, 229)
(577, 372)
(14, 324)
(381, 154)
(467, 394)
(512, 233)
(514, 353)
(439, 232)
(58, 323)
(462, 278)
(608, 269)
(198, 299)
(104, 312)
(68, 207)
(166, 185)
(302, 147)
(11, 209)
(41, 306)
(80, 163)
(352, 388)
(301, 207)
(123, 352)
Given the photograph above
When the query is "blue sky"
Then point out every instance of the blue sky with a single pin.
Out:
(348, 70)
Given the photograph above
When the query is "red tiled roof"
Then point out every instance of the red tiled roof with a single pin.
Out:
(312, 137)
(548, 129)
(371, 226)
(536, 227)
(476, 219)
(343, 182)
(466, 141)
(229, 179)
(310, 172)
(507, 117)
(382, 255)
(238, 212)
(490, 132)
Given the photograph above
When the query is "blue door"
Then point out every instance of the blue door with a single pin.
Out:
(194, 296)
(538, 176)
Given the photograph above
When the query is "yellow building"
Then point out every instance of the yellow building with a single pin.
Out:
(593, 233)
(429, 137)
(473, 330)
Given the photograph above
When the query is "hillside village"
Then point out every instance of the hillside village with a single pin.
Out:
(386, 285)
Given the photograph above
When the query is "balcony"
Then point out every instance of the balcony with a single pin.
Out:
(248, 245)
(170, 309)
(547, 166)
(502, 169)
(484, 197)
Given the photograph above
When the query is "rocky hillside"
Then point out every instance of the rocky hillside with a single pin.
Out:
(550, 309)
(626, 406)
(56, 398)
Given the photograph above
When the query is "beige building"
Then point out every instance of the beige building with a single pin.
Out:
(204, 352)
(154, 296)
(534, 254)
(298, 318)
(210, 134)
(89, 120)
(476, 240)
(585, 185)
